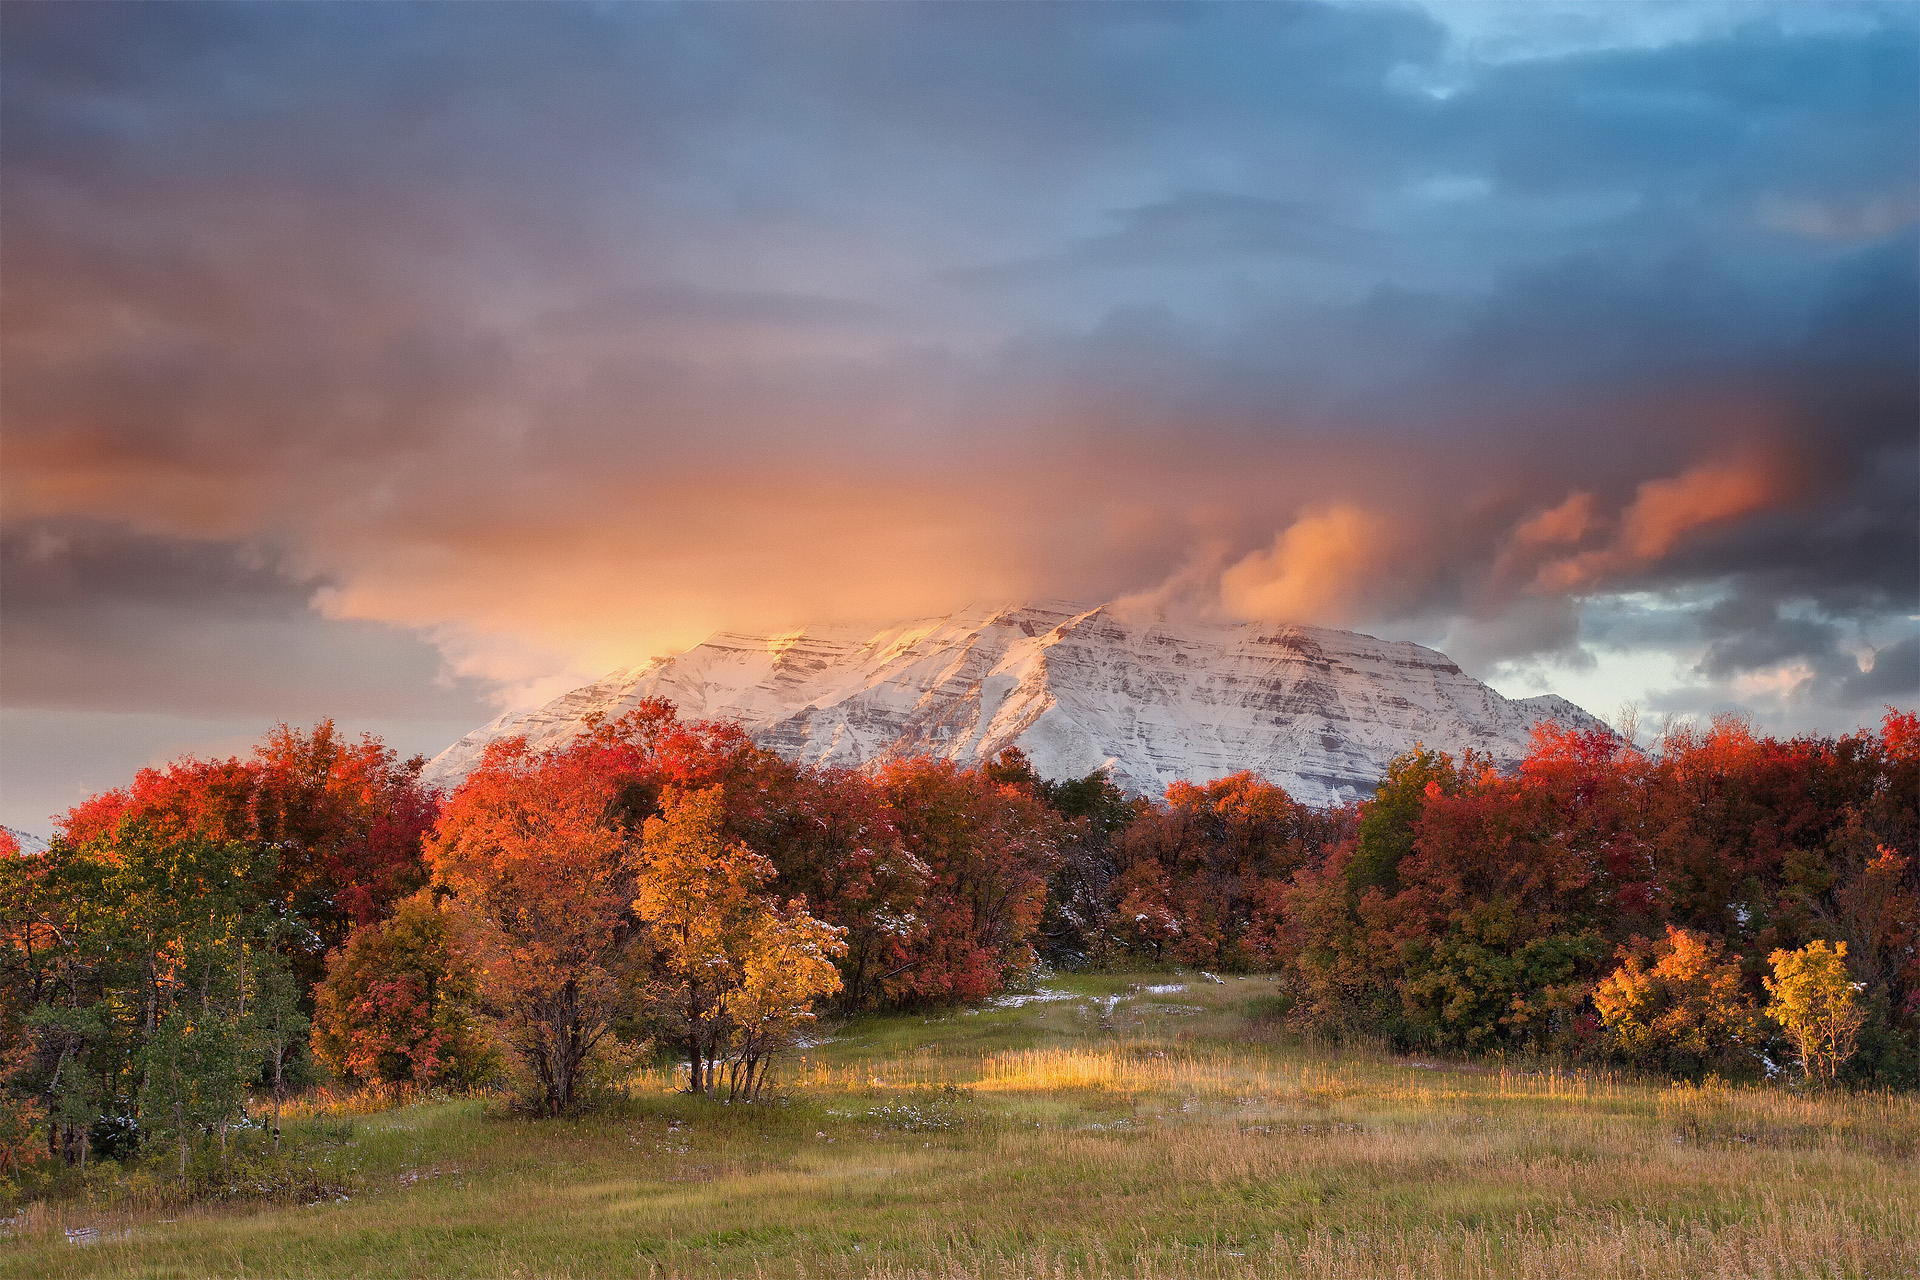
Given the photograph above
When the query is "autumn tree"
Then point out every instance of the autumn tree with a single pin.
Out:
(1815, 1001)
(1143, 920)
(341, 819)
(735, 973)
(538, 868)
(1196, 873)
(397, 1008)
(346, 817)
(1686, 1011)
(788, 966)
(989, 848)
(1387, 820)
(833, 841)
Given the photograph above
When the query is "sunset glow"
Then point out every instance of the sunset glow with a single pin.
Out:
(405, 363)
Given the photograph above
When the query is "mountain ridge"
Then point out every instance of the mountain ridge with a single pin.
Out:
(1317, 710)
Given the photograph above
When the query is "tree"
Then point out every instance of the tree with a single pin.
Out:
(829, 834)
(1144, 921)
(1815, 1001)
(535, 864)
(989, 848)
(1387, 821)
(277, 1027)
(347, 818)
(788, 966)
(397, 1007)
(1687, 1011)
(1494, 979)
(145, 1001)
(342, 820)
(733, 974)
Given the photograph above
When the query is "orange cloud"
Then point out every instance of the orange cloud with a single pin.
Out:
(1663, 513)
(1666, 510)
(1571, 521)
(1318, 569)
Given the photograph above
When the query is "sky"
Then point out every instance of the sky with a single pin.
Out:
(401, 364)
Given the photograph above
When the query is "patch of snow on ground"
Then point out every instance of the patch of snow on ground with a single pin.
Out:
(1042, 996)
(1164, 988)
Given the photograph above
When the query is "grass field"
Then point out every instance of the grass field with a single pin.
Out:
(1150, 1127)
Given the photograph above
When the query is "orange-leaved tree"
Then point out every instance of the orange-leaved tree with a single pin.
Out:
(788, 965)
(735, 974)
(541, 874)
(1687, 1011)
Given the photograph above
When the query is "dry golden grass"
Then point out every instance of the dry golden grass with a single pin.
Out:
(1158, 1137)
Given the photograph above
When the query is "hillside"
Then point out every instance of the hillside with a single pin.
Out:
(1319, 711)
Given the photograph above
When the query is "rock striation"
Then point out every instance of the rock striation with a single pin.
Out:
(1318, 711)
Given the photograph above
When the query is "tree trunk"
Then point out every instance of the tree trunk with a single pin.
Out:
(279, 1062)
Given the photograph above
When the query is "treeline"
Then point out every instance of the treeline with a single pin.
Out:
(193, 947)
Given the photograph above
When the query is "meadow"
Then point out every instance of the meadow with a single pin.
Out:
(1153, 1126)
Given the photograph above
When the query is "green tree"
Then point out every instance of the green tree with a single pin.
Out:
(277, 1027)
(1387, 821)
(156, 941)
(1490, 983)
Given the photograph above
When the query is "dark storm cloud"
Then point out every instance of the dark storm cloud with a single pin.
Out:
(100, 619)
(581, 330)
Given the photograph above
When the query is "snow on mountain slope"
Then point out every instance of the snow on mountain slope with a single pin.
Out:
(1318, 711)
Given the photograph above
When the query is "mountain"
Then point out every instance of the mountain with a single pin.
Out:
(1320, 712)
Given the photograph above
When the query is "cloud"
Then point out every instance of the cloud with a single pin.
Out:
(1569, 522)
(101, 619)
(1662, 513)
(1318, 569)
(557, 336)
(1667, 510)
(1892, 679)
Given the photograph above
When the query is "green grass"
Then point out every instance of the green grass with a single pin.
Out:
(1114, 1132)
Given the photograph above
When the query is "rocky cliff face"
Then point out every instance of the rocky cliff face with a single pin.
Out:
(1318, 711)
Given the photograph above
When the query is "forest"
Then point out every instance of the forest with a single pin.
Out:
(219, 937)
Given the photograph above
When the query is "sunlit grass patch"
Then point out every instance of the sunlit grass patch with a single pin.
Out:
(1052, 1142)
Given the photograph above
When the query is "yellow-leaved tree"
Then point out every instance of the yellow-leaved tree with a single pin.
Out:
(1816, 1001)
(736, 972)
(788, 965)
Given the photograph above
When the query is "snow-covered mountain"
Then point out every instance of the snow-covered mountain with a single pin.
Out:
(1318, 711)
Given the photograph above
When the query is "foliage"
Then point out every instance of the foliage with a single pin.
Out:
(342, 822)
(160, 962)
(397, 1008)
(540, 877)
(1813, 999)
(989, 848)
(154, 947)
(1385, 836)
(735, 974)
(1688, 1011)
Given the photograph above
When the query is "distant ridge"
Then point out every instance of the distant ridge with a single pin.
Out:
(1318, 711)
(29, 843)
